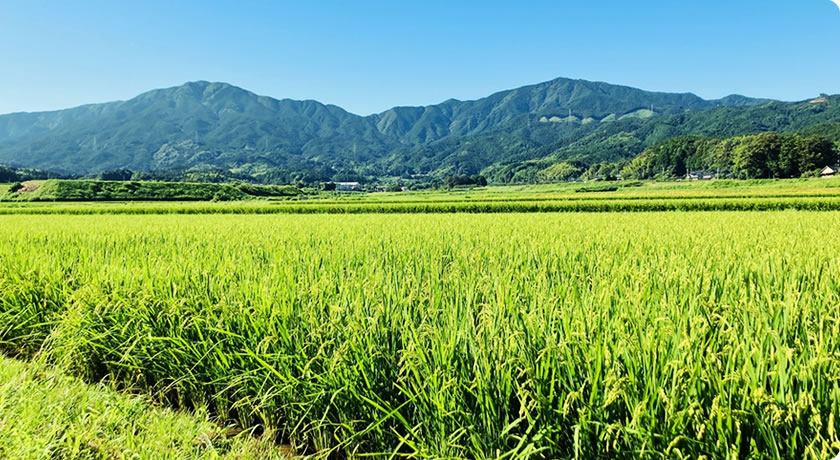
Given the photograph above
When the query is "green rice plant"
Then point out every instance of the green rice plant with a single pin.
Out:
(589, 335)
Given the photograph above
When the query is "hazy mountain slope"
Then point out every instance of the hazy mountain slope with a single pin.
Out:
(557, 98)
(198, 123)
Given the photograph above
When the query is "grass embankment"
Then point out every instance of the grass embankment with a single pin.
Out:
(91, 190)
(45, 415)
(684, 335)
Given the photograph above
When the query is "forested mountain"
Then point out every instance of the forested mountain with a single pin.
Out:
(195, 124)
(555, 101)
(510, 136)
(519, 154)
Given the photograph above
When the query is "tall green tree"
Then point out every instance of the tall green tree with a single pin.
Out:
(758, 157)
(817, 153)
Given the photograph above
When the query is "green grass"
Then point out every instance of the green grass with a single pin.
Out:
(46, 416)
(647, 335)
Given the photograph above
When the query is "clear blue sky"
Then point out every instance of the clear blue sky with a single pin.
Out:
(367, 56)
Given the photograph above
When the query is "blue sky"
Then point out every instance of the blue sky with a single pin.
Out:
(367, 56)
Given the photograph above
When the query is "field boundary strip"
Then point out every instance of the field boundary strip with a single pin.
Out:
(476, 207)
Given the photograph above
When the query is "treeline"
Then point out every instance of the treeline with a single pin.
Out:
(463, 180)
(215, 175)
(9, 174)
(318, 177)
(549, 172)
(758, 156)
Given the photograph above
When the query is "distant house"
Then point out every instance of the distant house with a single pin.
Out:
(701, 175)
(348, 187)
(829, 171)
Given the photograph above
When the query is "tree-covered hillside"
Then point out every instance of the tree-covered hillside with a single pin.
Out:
(623, 140)
(757, 156)
(195, 124)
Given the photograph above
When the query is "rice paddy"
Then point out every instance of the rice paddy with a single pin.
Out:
(504, 335)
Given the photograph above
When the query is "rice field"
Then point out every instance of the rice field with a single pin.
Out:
(759, 195)
(594, 205)
(516, 336)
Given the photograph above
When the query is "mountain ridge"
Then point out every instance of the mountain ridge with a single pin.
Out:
(219, 125)
(447, 101)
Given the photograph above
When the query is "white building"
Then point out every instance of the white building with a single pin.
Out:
(348, 187)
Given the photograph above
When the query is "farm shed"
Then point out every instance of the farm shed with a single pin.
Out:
(701, 175)
(348, 187)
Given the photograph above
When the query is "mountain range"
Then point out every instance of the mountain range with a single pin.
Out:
(217, 125)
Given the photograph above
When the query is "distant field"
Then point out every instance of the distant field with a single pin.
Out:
(814, 194)
(626, 204)
(518, 336)
(687, 188)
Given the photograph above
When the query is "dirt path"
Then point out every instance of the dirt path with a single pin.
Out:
(30, 186)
